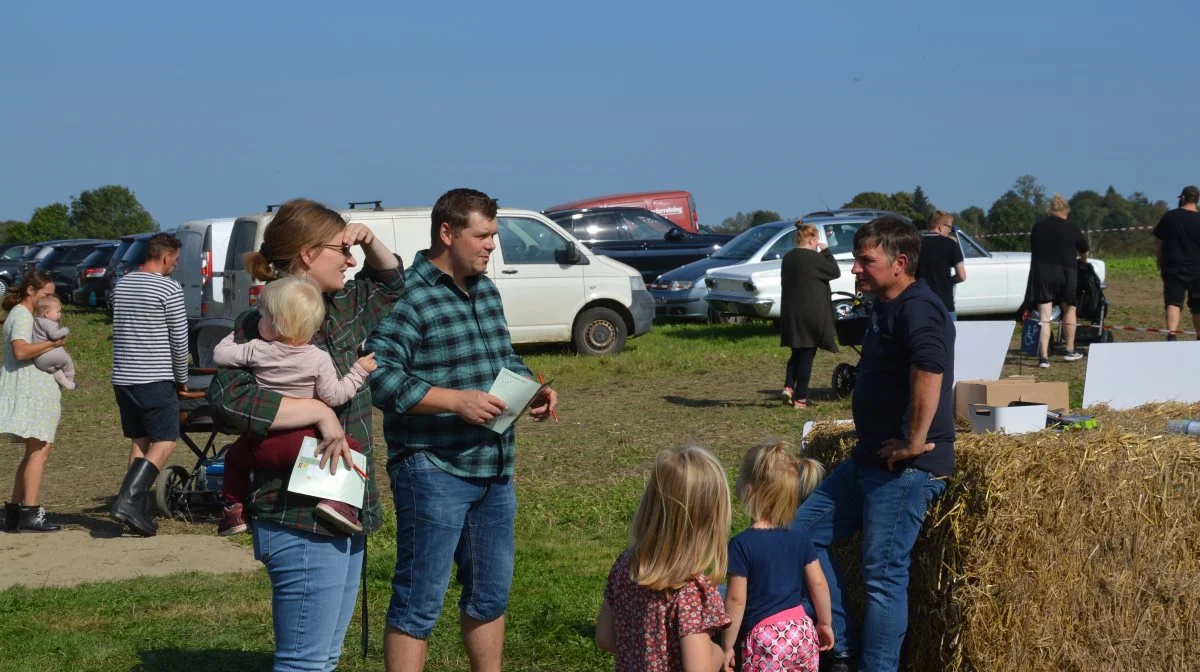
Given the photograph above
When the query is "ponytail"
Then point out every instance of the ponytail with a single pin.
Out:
(259, 267)
(811, 474)
(34, 281)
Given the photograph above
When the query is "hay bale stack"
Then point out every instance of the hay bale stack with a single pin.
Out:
(1073, 551)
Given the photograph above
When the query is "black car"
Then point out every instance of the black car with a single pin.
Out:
(58, 260)
(91, 276)
(11, 262)
(635, 236)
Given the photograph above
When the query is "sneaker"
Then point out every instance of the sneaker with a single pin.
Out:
(1043, 363)
(800, 403)
(1072, 356)
(1171, 338)
(341, 515)
(787, 393)
(232, 521)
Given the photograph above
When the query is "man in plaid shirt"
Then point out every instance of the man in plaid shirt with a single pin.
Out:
(438, 353)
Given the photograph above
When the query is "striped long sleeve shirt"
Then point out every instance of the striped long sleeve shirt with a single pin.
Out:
(150, 340)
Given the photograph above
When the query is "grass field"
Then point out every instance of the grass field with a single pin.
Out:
(577, 481)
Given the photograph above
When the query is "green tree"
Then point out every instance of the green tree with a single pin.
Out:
(921, 204)
(973, 219)
(744, 220)
(1028, 189)
(109, 212)
(870, 199)
(1011, 213)
(18, 233)
(49, 222)
(6, 226)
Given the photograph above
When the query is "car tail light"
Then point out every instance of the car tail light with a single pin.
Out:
(94, 272)
(206, 266)
(255, 290)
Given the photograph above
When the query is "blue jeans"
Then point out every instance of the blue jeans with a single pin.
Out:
(314, 587)
(443, 519)
(888, 508)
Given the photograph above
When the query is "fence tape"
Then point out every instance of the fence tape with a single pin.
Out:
(1118, 327)
(1026, 233)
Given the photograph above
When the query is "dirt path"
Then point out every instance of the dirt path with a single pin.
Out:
(75, 556)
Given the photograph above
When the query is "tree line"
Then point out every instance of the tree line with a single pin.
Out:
(107, 213)
(1014, 212)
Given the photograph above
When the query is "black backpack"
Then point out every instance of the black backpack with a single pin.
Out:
(1090, 298)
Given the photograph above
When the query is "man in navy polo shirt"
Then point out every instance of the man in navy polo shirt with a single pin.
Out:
(904, 417)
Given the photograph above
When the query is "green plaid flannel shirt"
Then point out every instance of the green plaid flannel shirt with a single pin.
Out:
(439, 336)
(240, 406)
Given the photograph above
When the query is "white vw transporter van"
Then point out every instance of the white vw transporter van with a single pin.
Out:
(554, 289)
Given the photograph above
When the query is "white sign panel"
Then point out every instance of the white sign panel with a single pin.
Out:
(979, 349)
(1128, 375)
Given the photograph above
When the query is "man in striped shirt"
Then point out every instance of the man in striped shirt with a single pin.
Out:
(150, 367)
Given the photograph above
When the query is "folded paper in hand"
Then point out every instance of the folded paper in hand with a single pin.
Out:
(308, 478)
(518, 394)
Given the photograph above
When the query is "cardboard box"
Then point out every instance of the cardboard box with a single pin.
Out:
(1002, 392)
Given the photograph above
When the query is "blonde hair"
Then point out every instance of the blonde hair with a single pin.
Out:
(772, 481)
(804, 232)
(298, 225)
(940, 216)
(1059, 205)
(295, 305)
(44, 304)
(681, 526)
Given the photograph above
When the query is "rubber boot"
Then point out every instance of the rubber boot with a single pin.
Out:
(130, 507)
(12, 513)
(33, 519)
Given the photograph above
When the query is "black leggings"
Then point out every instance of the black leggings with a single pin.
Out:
(799, 370)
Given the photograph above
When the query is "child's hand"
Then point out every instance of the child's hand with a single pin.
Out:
(825, 636)
(729, 661)
(367, 362)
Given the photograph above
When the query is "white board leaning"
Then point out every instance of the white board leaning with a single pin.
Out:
(1128, 375)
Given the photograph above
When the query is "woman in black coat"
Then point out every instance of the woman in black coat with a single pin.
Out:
(806, 310)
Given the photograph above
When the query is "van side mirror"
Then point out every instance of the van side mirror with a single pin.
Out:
(675, 234)
(571, 255)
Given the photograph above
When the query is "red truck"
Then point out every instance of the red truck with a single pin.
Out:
(677, 206)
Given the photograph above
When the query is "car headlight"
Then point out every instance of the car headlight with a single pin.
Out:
(636, 283)
(749, 286)
(680, 285)
(710, 283)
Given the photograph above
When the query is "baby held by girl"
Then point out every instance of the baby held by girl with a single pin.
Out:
(661, 608)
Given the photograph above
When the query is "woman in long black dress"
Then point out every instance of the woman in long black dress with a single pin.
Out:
(806, 311)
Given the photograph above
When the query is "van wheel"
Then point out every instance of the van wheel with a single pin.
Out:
(3, 286)
(599, 331)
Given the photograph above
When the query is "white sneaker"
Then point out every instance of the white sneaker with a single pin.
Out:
(1072, 356)
(1043, 364)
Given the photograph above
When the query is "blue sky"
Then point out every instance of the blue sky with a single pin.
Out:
(216, 109)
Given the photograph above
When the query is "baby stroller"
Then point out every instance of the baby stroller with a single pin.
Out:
(177, 488)
(851, 328)
(1091, 306)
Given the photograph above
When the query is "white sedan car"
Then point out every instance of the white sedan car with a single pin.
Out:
(995, 283)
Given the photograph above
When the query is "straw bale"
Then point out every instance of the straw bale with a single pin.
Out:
(1056, 551)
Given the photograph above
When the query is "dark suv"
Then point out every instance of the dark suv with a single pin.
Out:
(635, 236)
(91, 276)
(59, 259)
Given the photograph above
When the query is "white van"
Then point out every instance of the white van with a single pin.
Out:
(554, 289)
(204, 245)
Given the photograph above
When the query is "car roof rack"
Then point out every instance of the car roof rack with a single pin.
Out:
(378, 205)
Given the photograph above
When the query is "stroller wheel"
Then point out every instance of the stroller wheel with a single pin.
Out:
(844, 376)
(169, 489)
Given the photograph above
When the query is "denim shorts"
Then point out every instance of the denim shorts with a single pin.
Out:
(444, 520)
(149, 410)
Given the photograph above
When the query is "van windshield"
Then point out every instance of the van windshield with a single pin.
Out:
(746, 243)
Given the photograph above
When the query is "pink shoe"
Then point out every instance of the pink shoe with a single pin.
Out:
(232, 521)
(341, 515)
(787, 393)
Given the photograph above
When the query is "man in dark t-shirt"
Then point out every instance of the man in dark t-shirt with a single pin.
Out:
(941, 254)
(1177, 252)
(904, 418)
